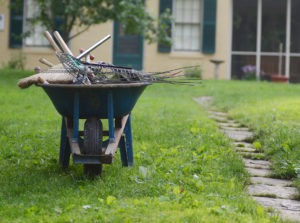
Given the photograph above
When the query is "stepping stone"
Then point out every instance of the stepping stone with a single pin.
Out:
(270, 181)
(258, 172)
(232, 122)
(217, 113)
(235, 128)
(246, 149)
(238, 135)
(264, 190)
(219, 118)
(243, 144)
(229, 124)
(257, 164)
(290, 209)
(204, 101)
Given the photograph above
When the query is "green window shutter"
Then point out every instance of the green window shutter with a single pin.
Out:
(209, 26)
(16, 24)
(163, 5)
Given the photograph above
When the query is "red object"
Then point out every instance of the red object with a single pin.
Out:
(279, 79)
(92, 57)
(81, 50)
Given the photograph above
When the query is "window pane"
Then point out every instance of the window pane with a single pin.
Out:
(179, 11)
(127, 44)
(36, 37)
(244, 25)
(187, 31)
(295, 27)
(243, 67)
(295, 70)
(271, 65)
(273, 25)
(188, 11)
(178, 37)
(187, 37)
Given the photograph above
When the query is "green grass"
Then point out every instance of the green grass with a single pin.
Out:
(185, 169)
(272, 111)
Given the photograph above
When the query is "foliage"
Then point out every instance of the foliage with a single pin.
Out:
(185, 169)
(64, 15)
(272, 111)
(194, 72)
(17, 61)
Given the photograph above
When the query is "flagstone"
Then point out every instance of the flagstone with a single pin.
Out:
(290, 209)
(258, 172)
(264, 190)
(270, 181)
(238, 135)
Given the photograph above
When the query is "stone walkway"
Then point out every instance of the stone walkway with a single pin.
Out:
(269, 192)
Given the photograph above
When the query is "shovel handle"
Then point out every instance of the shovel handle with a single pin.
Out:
(52, 42)
(62, 43)
(46, 62)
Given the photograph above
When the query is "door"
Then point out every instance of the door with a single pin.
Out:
(128, 49)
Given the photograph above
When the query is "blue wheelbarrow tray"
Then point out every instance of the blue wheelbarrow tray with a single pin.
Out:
(101, 101)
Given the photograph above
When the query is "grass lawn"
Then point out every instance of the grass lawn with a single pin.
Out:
(185, 169)
(272, 111)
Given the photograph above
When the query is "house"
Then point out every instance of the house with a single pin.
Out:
(262, 33)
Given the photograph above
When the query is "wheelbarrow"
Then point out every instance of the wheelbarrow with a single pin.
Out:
(95, 103)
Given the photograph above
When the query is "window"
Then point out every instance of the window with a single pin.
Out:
(187, 25)
(262, 37)
(36, 37)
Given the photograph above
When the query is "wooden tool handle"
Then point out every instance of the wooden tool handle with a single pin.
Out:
(62, 43)
(46, 62)
(52, 42)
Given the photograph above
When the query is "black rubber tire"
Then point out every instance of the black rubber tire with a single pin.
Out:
(92, 145)
(92, 170)
(92, 136)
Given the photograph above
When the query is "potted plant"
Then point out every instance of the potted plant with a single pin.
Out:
(279, 78)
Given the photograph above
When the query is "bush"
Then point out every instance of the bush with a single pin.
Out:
(194, 72)
(17, 61)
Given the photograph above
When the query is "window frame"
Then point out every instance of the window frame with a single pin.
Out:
(173, 50)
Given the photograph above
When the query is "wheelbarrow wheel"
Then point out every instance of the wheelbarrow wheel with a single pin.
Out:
(92, 136)
(92, 170)
(92, 145)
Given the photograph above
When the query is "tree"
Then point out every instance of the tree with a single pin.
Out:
(64, 15)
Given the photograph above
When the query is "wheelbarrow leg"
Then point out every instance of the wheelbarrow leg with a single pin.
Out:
(75, 117)
(123, 151)
(65, 150)
(129, 141)
(110, 113)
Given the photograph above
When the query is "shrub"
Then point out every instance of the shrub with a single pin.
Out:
(194, 72)
(17, 61)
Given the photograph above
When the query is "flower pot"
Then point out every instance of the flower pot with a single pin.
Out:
(279, 79)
